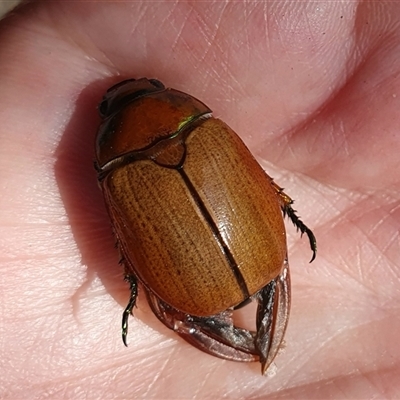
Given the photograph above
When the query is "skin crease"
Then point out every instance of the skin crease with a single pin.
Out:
(311, 87)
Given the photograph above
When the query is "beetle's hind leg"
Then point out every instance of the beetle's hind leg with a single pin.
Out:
(272, 317)
(286, 205)
(215, 335)
(218, 336)
(128, 310)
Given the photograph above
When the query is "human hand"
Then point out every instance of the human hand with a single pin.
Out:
(311, 87)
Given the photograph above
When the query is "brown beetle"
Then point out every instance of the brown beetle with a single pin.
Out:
(197, 220)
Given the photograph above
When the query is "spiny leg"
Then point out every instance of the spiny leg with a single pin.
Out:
(215, 335)
(286, 205)
(272, 317)
(128, 310)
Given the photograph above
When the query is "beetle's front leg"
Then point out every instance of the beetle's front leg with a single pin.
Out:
(286, 205)
(272, 317)
(128, 310)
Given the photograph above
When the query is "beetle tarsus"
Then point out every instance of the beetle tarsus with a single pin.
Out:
(286, 205)
(303, 228)
(128, 310)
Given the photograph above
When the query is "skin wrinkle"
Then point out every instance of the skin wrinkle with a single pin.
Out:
(310, 30)
(137, 20)
(70, 37)
(382, 258)
(370, 231)
(297, 368)
(136, 29)
(106, 61)
(342, 145)
(393, 266)
(331, 139)
(157, 374)
(360, 277)
(335, 336)
(209, 41)
(275, 60)
(365, 26)
(345, 143)
(267, 37)
(331, 133)
(324, 343)
(370, 381)
(211, 37)
(324, 383)
(174, 10)
(338, 210)
(179, 38)
(246, 33)
(335, 224)
(346, 272)
(382, 220)
(207, 378)
(311, 116)
(213, 43)
(359, 268)
(229, 78)
(95, 371)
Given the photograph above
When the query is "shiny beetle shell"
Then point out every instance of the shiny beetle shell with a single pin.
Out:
(197, 220)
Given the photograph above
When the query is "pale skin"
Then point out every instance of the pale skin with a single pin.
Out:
(313, 88)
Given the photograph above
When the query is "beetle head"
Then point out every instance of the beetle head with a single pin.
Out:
(126, 91)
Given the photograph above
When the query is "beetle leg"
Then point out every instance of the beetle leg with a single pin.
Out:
(215, 335)
(128, 310)
(286, 206)
(219, 337)
(272, 317)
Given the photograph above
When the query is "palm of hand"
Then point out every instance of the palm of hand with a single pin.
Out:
(313, 91)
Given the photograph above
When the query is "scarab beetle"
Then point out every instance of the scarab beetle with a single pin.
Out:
(197, 221)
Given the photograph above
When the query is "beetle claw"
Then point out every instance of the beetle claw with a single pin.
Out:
(128, 310)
